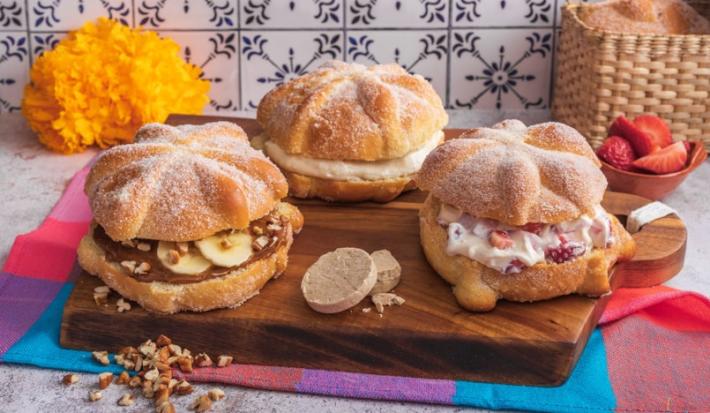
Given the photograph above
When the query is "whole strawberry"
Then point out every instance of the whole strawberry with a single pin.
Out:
(617, 152)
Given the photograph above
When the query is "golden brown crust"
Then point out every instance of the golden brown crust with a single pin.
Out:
(182, 183)
(350, 112)
(301, 186)
(515, 174)
(478, 288)
(644, 16)
(227, 291)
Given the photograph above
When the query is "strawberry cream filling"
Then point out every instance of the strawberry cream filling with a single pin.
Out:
(511, 249)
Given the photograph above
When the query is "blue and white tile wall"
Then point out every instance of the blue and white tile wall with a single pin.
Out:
(478, 54)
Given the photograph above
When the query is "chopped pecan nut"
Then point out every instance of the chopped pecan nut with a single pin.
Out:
(173, 257)
(260, 243)
(201, 404)
(143, 268)
(183, 388)
(183, 247)
(70, 378)
(134, 382)
(224, 361)
(143, 246)
(185, 364)
(123, 378)
(126, 400)
(147, 348)
(175, 350)
(129, 265)
(105, 379)
(95, 395)
(203, 360)
(122, 305)
(163, 341)
(101, 357)
(151, 375)
(165, 407)
(148, 391)
(161, 396)
(102, 289)
(215, 394)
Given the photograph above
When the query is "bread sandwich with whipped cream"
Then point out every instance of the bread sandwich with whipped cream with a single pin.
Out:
(346, 132)
(514, 213)
(187, 218)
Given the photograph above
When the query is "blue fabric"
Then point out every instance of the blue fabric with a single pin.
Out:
(587, 389)
(40, 345)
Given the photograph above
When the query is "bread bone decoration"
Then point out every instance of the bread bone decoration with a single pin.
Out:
(347, 132)
(514, 213)
(187, 218)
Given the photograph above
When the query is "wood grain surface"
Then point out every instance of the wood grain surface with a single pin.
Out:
(429, 336)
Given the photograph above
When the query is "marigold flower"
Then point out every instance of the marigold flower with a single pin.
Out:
(105, 80)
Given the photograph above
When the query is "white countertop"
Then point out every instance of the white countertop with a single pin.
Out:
(32, 180)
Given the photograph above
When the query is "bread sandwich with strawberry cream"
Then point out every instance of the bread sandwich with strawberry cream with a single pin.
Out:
(514, 213)
(187, 218)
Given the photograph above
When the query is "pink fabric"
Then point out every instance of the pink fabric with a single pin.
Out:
(48, 252)
(658, 349)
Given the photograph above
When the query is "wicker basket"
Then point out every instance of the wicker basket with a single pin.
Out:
(601, 75)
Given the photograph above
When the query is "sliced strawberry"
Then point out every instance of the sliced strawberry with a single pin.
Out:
(565, 252)
(514, 267)
(617, 152)
(656, 128)
(500, 239)
(640, 141)
(669, 159)
(688, 146)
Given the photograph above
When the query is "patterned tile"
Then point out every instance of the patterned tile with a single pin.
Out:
(186, 14)
(12, 15)
(269, 58)
(42, 42)
(496, 69)
(422, 52)
(64, 15)
(217, 54)
(396, 14)
(14, 69)
(496, 13)
(321, 14)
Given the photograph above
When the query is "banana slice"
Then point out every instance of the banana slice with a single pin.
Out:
(226, 250)
(191, 263)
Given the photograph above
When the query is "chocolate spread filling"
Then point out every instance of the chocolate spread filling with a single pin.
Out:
(118, 252)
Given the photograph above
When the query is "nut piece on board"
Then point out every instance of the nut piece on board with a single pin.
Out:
(339, 280)
(388, 271)
(386, 299)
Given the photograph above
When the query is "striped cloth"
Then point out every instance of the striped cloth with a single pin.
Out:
(649, 353)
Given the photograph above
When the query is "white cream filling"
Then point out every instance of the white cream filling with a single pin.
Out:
(469, 236)
(353, 170)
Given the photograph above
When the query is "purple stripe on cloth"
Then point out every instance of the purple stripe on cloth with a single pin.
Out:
(376, 387)
(73, 206)
(22, 301)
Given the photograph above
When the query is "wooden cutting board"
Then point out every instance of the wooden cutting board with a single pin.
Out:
(429, 336)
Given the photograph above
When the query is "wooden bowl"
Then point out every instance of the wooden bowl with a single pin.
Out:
(653, 186)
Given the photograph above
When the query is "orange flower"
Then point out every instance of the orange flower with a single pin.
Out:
(105, 80)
